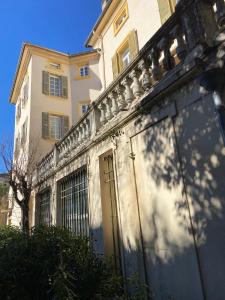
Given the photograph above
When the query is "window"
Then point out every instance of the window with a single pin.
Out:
(120, 18)
(125, 53)
(84, 108)
(74, 203)
(125, 57)
(84, 71)
(54, 126)
(44, 208)
(18, 111)
(55, 86)
(166, 8)
(25, 93)
(24, 132)
(17, 145)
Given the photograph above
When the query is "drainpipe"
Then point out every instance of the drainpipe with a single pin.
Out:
(102, 52)
(214, 81)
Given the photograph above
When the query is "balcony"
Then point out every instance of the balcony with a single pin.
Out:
(176, 51)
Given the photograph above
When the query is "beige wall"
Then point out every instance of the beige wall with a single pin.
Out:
(143, 17)
(46, 103)
(84, 90)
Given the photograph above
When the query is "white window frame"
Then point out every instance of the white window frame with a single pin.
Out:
(55, 130)
(84, 108)
(84, 71)
(55, 89)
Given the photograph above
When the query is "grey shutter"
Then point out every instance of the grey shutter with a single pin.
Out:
(45, 125)
(64, 83)
(65, 125)
(45, 82)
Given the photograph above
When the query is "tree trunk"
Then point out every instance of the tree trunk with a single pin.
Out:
(25, 217)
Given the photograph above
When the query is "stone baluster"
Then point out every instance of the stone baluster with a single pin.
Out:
(121, 102)
(156, 69)
(56, 156)
(220, 12)
(181, 49)
(195, 23)
(115, 108)
(87, 128)
(136, 86)
(102, 113)
(81, 129)
(128, 94)
(73, 139)
(168, 60)
(78, 136)
(146, 76)
(108, 112)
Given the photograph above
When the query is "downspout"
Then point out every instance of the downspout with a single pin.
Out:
(102, 52)
(214, 81)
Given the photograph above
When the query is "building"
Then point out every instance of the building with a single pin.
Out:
(141, 172)
(4, 187)
(51, 91)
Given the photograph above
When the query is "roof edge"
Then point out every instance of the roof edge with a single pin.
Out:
(26, 45)
(86, 44)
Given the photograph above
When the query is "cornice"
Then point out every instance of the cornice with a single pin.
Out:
(26, 53)
(101, 22)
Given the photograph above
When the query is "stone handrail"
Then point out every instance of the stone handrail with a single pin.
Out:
(194, 23)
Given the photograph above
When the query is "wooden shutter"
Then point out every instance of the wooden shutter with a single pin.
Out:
(173, 5)
(64, 83)
(65, 125)
(165, 10)
(45, 82)
(45, 126)
(133, 43)
(115, 66)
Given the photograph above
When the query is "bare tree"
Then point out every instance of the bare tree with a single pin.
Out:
(21, 165)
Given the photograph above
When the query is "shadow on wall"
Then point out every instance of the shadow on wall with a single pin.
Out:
(179, 164)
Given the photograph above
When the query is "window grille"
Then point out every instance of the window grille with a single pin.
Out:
(44, 208)
(74, 204)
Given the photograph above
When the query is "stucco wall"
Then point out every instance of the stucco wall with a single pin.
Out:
(168, 166)
(45, 103)
(143, 17)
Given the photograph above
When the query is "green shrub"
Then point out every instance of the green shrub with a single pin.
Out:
(52, 263)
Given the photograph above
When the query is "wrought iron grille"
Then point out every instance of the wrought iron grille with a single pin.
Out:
(44, 208)
(74, 206)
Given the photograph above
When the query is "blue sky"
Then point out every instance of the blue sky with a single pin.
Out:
(59, 25)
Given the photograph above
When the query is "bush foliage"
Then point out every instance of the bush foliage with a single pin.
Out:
(52, 263)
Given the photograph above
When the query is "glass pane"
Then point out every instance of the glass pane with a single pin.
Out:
(55, 127)
(55, 86)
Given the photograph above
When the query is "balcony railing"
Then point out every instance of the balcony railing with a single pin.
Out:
(195, 23)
